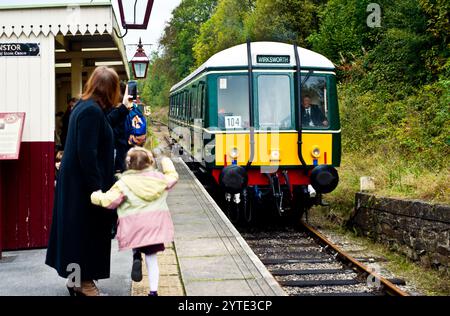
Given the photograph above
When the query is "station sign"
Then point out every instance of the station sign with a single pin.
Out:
(11, 131)
(19, 49)
(273, 59)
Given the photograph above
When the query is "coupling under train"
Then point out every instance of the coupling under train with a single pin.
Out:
(262, 120)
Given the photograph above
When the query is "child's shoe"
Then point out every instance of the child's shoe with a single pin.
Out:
(136, 271)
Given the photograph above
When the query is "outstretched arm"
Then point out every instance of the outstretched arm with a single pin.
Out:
(110, 200)
(170, 172)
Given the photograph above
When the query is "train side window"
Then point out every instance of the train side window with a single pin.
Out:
(195, 106)
(315, 111)
(233, 102)
(175, 102)
(202, 101)
(178, 106)
(197, 103)
(183, 104)
(191, 102)
(186, 106)
(174, 111)
(172, 106)
(274, 102)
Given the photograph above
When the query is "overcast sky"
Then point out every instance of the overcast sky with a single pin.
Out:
(162, 12)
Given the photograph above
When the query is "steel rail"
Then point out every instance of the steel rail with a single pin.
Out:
(387, 286)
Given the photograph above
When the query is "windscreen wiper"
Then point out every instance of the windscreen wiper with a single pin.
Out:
(308, 76)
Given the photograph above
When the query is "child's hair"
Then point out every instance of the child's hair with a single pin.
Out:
(139, 159)
(59, 156)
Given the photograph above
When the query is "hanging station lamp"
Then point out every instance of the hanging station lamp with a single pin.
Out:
(140, 62)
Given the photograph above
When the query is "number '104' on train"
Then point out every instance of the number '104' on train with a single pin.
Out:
(261, 122)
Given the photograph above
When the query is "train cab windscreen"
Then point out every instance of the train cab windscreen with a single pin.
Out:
(315, 111)
(233, 100)
(274, 102)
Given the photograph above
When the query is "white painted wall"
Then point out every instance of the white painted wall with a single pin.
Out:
(27, 84)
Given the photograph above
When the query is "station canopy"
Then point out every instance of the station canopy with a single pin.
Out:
(86, 31)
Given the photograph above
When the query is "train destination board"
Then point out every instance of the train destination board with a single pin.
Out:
(273, 59)
(11, 130)
(19, 49)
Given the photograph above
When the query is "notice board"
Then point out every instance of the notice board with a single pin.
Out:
(11, 131)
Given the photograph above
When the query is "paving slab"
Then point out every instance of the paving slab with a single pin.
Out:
(169, 281)
(24, 273)
(214, 260)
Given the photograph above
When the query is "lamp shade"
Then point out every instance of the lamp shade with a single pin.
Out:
(134, 25)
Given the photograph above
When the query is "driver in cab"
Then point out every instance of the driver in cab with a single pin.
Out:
(312, 115)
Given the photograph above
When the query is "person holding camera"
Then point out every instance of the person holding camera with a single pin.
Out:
(80, 237)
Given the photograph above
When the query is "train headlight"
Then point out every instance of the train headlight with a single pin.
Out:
(275, 155)
(234, 153)
(316, 152)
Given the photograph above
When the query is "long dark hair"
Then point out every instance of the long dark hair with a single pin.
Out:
(104, 87)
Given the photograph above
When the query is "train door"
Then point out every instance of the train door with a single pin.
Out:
(198, 123)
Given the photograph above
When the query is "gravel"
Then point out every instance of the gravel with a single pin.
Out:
(311, 277)
(306, 266)
(289, 244)
(317, 290)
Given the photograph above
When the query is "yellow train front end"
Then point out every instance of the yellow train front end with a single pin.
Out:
(264, 125)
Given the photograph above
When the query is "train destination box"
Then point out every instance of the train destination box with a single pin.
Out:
(273, 59)
(11, 131)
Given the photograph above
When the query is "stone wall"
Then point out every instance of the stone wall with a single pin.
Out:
(419, 230)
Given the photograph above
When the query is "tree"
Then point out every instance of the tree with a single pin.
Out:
(343, 33)
(224, 29)
(288, 21)
(182, 32)
(175, 57)
(438, 25)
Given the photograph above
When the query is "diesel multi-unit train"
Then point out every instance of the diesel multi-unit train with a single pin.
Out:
(262, 119)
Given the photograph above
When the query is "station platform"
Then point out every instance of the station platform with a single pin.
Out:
(208, 257)
(213, 258)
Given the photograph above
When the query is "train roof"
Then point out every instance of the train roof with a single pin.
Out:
(264, 54)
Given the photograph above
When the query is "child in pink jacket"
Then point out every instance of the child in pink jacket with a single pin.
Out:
(144, 223)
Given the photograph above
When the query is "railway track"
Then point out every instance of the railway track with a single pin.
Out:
(305, 262)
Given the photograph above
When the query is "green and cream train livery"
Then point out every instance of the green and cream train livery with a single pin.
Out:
(262, 120)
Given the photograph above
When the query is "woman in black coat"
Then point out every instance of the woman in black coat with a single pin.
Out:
(80, 238)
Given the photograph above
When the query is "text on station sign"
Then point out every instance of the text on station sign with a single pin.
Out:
(19, 49)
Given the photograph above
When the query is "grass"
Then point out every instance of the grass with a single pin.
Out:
(397, 177)
(152, 140)
(394, 177)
